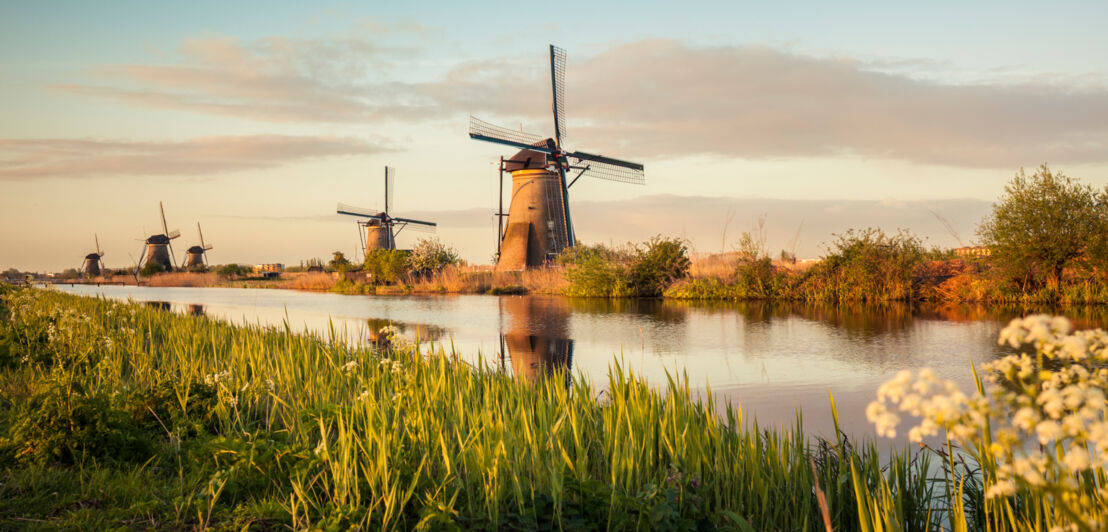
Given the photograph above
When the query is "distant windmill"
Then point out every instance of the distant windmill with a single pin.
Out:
(197, 255)
(93, 266)
(158, 247)
(381, 227)
(539, 224)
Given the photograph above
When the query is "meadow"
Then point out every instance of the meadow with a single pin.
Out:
(121, 415)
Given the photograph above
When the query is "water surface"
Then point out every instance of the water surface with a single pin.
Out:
(772, 358)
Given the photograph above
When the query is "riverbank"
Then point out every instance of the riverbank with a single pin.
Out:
(116, 414)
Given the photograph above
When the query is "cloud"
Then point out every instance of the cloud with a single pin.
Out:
(650, 99)
(661, 99)
(274, 79)
(38, 158)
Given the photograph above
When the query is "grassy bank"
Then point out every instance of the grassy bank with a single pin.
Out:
(122, 415)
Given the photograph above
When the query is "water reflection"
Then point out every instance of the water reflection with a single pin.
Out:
(195, 309)
(162, 305)
(771, 358)
(537, 340)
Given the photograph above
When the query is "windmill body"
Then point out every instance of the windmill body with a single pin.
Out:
(159, 248)
(539, 221)
(381, 227)
(92, 265)
(536, 217)
(196, 256)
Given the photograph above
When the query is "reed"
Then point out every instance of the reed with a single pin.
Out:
(263, 427)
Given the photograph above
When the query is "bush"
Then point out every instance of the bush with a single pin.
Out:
(231, 271)
(386, 265)
(634, 271)
(657, 265)
(866, 265)
(151, 268)
(431, 255)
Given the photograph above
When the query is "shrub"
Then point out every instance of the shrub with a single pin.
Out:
(431, 255)
(386, 265)
(656, 265)
(866, 265)
(232, 270)
(151, 268)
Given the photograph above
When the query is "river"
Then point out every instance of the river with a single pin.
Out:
(773, 359)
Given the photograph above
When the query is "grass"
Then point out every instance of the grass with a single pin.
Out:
(255, 427)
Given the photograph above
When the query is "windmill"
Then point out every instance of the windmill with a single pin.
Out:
(159, 248)
(197, 255)
(93, 266)
(539, 223)
(381, 227)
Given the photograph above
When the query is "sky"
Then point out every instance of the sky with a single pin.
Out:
(805, 119)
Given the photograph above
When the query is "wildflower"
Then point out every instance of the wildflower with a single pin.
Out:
(1001, 488)
(349, 366)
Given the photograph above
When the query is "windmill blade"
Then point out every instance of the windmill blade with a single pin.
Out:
(418, 225)
(558, 86)
(481, 130)
(201, 231)
(165, 227)
(97, 238)
(608, 168)
(351, 210)
(390, 187)
(361, 237)
(207, 247)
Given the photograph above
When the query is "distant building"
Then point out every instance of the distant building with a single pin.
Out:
(971, 251)
(274, 267)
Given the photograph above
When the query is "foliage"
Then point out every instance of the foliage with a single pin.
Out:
(338, 262)
(431, 255)
(151, 268)
(65, 424)
(1043, 224)
(231, 271)
(866, 265)
(386, 265)
(644, 270)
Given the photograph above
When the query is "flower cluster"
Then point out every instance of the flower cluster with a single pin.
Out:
(1042, 416)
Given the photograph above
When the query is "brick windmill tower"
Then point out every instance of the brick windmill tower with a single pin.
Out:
(197, 256)
(93, 266)
(539, 221)
(159, 248)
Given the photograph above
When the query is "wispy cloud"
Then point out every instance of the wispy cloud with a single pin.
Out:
(39, 158)
(273, 80)
(649, 99)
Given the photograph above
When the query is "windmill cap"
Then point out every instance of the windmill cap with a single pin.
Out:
(196, 250)
(525, 160)
(158, 239)
(92, 256)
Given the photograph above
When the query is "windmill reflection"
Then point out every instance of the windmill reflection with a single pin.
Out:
(195, 309)
(417, 332)
(537, 338)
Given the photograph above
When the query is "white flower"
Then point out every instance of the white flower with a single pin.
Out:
(1077, 459)
(349, 366)
(1048, 430)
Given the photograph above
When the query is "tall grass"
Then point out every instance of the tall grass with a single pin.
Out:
(255, 426)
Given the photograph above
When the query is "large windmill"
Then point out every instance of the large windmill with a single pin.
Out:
(197, 255)
(159, 248)
(381, 227)
(93, 266)
(539, 223)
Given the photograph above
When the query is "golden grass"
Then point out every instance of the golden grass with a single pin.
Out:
(481, 279)
(186, 279)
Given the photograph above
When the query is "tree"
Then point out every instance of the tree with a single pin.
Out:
(1043, 224)
(339, 262)
(430, 254)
